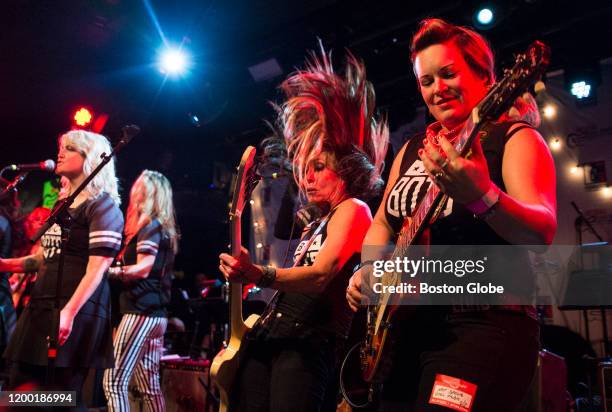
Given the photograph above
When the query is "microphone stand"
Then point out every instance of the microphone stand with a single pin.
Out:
(61, 216)
(580, 220)
(13, 185)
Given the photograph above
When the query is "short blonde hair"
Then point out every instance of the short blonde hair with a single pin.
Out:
(91, 146)
(157, 204)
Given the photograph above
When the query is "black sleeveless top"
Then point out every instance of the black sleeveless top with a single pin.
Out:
(456, 225)
(301, 315)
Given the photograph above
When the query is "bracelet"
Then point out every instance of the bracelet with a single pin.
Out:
(481, 206)
(117, 271)
(363, 264)
(268, 276)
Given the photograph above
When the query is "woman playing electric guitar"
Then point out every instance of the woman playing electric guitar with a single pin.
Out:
(503, 194)
(336, 149)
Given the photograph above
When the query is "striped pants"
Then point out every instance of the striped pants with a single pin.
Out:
(137, 347)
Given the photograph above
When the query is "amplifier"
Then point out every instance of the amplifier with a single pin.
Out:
(184, 384)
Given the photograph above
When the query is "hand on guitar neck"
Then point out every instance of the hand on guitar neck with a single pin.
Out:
(239, 269)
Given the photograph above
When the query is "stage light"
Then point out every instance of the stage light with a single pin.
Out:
(574, 170)
(606, 191)
(582, 80)
(485, 16)
(82, 117)
(555, 144)
(259, 245)
(581, 89)
(173, 62)
(549, 111)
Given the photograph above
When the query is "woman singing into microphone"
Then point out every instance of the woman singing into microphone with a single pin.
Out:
(85, 338)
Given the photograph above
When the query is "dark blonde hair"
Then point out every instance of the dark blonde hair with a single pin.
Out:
(474, 48)
(157, 204)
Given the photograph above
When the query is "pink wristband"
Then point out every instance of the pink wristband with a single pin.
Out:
(486, 202)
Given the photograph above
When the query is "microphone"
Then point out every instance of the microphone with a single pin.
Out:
(46, 166)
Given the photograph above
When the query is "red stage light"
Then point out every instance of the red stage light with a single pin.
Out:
(82, 117)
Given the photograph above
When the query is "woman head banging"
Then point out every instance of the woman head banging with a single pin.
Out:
(330, 117)
(151, 198)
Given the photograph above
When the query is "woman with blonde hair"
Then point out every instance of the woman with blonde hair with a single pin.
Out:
(151, 242)
(84, 332)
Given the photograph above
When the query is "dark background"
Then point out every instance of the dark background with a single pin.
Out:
(59, 55)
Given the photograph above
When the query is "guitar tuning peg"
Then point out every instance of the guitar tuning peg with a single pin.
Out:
(539, 87)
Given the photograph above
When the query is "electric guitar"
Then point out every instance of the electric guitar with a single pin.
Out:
(225, 364)
(528, 69)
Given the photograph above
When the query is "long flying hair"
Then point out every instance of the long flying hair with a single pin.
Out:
(155, 203)
(91, 146)
(328, 112)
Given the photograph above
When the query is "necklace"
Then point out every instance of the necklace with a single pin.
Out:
(434, 132)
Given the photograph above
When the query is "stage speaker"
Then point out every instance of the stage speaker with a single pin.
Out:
(185, 385)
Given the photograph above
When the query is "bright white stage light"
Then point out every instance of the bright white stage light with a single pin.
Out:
(485, 16)
(173, 62)
(581, 89)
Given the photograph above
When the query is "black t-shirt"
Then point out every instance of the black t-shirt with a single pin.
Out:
(95, 231)
(149, 296)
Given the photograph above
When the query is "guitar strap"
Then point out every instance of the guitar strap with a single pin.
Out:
(269, 309)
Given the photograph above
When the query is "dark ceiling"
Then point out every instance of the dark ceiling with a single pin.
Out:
(61, 54)
(57, 55)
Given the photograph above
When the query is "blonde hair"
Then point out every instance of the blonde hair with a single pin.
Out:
(91, 146)
(156, 204)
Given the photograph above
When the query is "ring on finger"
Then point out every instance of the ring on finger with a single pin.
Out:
(438, 175)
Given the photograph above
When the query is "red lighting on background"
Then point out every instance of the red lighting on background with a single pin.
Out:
(82, 117)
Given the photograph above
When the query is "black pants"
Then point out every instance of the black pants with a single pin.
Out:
(24, 376)
(285, 375)
(494, 350)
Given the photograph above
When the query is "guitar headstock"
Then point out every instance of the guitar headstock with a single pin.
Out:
(245, 182)
(527, 70)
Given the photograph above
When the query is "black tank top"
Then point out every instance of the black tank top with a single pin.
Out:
(456, 224)
(299, 315)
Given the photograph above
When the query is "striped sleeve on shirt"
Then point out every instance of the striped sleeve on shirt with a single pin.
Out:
(104, 238)
(105, 227)
(149, 238)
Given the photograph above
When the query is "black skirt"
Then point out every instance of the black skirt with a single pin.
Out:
(90, 343)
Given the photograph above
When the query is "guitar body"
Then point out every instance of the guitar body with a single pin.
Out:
(225, 365)
(227, 362)
(376, 350)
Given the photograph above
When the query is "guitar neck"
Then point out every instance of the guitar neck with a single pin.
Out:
(427, 207)
(236, 321)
